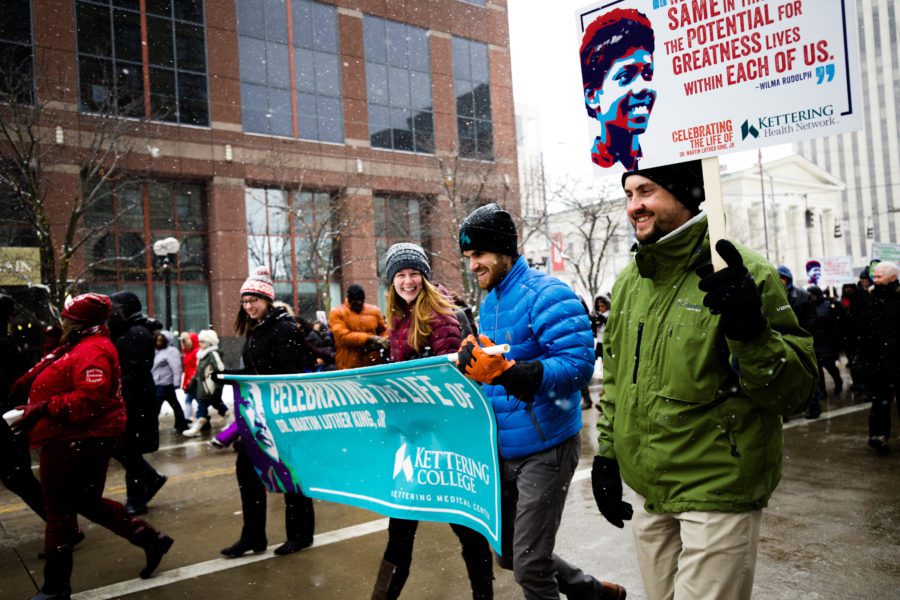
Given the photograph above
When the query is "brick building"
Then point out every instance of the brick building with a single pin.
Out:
(307, 136)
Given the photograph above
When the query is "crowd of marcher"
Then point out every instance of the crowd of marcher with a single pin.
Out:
(700, 367)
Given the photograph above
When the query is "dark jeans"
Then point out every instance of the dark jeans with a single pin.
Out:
(15, 469)
(299, 515)
(534, 492)
(883, 392)
(476, 553)
(73, 475)
(166, 393)
(215, 401)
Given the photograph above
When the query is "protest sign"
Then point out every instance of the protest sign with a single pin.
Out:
(666, 81)
(413, 440)
(830, 271)
(883, 251)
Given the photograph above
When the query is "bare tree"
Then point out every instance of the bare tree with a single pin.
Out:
(591, 220)
(317, 220)
(32, 152)
(467, 184)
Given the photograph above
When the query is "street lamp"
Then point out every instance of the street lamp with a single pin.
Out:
(166, 251)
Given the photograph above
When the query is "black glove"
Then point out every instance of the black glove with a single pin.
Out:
(33, 414)
(522, 380)
(607, 486)
(732, 293)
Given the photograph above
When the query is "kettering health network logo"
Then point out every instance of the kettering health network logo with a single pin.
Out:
(785, 123)
(440, 468)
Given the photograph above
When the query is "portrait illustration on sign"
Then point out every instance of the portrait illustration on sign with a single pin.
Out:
(616, 70)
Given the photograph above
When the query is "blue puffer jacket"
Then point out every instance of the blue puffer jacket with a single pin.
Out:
(542, 319)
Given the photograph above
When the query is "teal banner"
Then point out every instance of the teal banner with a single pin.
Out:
(413, 440)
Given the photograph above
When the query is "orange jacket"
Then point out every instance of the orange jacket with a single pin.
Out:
(352, 331)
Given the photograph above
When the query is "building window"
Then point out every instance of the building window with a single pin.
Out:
(306, 104)
(292, 233)
(16, 60)
(471, 83)
(398, 81)
(397, 219)
(170, 86)
(132, 216)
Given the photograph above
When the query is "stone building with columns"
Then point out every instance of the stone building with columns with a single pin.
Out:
(303, 135)
(789, 215)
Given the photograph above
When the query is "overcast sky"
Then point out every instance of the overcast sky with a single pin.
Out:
(544, 44)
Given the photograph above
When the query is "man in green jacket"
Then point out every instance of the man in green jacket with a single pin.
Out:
(698, 369)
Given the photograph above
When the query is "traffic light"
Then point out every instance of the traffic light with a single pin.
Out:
(837, 230)
(870, 232)
(810, 220)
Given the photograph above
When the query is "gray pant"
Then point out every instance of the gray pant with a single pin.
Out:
(533, 497)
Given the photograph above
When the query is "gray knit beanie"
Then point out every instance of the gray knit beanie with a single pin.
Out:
(406, 256)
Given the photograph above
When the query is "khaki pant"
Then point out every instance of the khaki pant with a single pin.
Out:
(696, 555)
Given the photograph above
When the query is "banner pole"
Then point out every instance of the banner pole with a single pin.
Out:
(715, 208)
(490, 350)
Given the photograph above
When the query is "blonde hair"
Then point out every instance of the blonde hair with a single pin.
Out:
(430, 300)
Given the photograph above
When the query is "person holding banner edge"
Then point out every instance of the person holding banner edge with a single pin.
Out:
(421, 323)
(535, 394)
(698, 369)
(272, 346)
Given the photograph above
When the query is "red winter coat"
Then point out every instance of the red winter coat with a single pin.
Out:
(83, 395)
(189, 360)
(444, 338)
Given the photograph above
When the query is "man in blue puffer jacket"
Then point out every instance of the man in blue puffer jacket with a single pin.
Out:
(535, 393)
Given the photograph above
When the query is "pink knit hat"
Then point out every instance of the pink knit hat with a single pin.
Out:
(260, 284)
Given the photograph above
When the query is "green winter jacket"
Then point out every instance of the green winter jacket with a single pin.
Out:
(695, 420)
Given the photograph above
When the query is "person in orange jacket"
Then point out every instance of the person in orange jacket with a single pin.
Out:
(359, 331)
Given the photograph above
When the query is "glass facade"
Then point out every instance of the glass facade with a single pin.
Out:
(111, 64)
(132, 216)
(293, 234)
(398, 82)
(307, 102)
(472, 86)
(397, 219)
(16, 59)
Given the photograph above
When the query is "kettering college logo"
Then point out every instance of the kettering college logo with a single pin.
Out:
(785, 123)
(440, 468)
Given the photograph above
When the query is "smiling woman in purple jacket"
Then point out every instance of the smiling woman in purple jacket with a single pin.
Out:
(421, 323)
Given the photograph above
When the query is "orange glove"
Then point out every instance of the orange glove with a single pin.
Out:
(475, 364)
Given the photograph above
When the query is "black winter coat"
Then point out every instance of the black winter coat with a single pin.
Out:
(881, 349)
(275, 345)
(136, 347)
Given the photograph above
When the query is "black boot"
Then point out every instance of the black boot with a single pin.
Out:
(390, 581)
(155, 544)
(241, 547)
(57, 573)
(299, 523)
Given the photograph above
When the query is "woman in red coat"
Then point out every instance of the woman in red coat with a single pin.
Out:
(422, 323)
(76, 417)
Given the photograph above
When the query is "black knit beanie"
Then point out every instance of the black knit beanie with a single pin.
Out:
(682, 180)
(406, 256)
(356, 292)
(489, 228)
